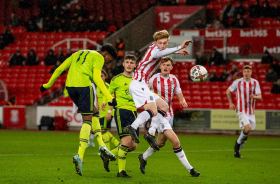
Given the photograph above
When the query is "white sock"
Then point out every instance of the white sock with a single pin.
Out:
(153, 126)
(155, 122)
(91, 138)
(241, 137)
(142, 118)
(182, 157)
(149, 152)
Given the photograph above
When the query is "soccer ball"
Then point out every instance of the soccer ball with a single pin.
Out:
(198, 74)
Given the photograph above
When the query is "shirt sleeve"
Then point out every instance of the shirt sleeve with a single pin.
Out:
(66, 64)
(98, 61)
(177, 89)
(233, 86)
(113, 86)
(100, 84)
(157, 53)
(258, 89)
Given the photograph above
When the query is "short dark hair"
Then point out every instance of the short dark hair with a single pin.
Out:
(130, 56)
(247, 67)
(104, 72)
(110, 49)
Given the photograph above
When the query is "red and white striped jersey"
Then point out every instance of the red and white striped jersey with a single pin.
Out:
(148, 66)
(244, 89)
(166, 87)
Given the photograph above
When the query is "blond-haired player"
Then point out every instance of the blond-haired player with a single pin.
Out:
(167, 85)
(247, 92)
(154, 106)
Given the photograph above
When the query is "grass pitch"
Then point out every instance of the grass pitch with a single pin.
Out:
(46, 157)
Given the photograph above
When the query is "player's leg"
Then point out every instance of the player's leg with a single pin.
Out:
(142, 97)
(91, 140)
(162, 107)
(113, 140)
(84, 101)
(180, 152)
(245, 124)
(253, 126)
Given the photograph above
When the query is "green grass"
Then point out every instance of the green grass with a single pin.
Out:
(46, 157)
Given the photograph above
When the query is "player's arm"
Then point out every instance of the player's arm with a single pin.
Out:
(100, 84)
(182, 100)
(112, 89)
(179, 50)
(231, 105)
(66, 64)
(180, 96)
(258, 95)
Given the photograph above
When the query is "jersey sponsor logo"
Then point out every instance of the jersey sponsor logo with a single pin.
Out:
(151, 98)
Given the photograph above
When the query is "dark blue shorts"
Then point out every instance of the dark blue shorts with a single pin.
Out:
(83, 97)
(124, 118)
(104, 124)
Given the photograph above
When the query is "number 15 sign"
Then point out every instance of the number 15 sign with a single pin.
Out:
(168, 16)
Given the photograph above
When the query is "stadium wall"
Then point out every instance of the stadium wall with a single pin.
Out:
(137, 33)
(208, 121)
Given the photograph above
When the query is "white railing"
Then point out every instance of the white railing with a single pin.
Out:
(4, 91)
(84, 40)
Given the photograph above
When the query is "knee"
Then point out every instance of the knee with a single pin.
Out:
(176, 143)
(160, 144)
(248, 128)
(132, 147)
(164, 107)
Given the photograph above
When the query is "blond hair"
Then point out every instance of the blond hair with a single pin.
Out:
(160, 35)
(247, 67)
(166, 59)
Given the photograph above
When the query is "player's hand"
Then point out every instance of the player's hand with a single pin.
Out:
(108, 116)
(186, 43)
(252, 96)
(183, 51)
(232, 106)
(42, 89)
(103, 106)
(149, 86)
(184, 104)
(113, 102)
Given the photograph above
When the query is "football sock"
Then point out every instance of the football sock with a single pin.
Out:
(242, 136)
(97, 131)
(149, 152)
(84, 136)
(182, 157)
(115, 151)
(106, 139)
(142, 118)
(155, 122)
(91, 137)
(113, 139)
(123, 150)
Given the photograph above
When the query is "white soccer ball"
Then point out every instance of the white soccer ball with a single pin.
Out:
(198, 74)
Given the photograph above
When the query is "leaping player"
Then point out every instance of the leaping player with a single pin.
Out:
(166, 85)
(248, 91)
(154, 106)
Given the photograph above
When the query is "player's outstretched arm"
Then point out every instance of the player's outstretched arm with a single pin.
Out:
(66, 64)
(180, 50)
(100, 84)
(231, 105)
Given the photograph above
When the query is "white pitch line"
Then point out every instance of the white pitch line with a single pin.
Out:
(137, 152)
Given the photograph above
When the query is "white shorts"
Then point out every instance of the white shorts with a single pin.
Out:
(166, 124)
(245, 119)
(141, 93)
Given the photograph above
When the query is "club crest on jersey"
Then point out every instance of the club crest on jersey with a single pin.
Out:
(125, 84)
